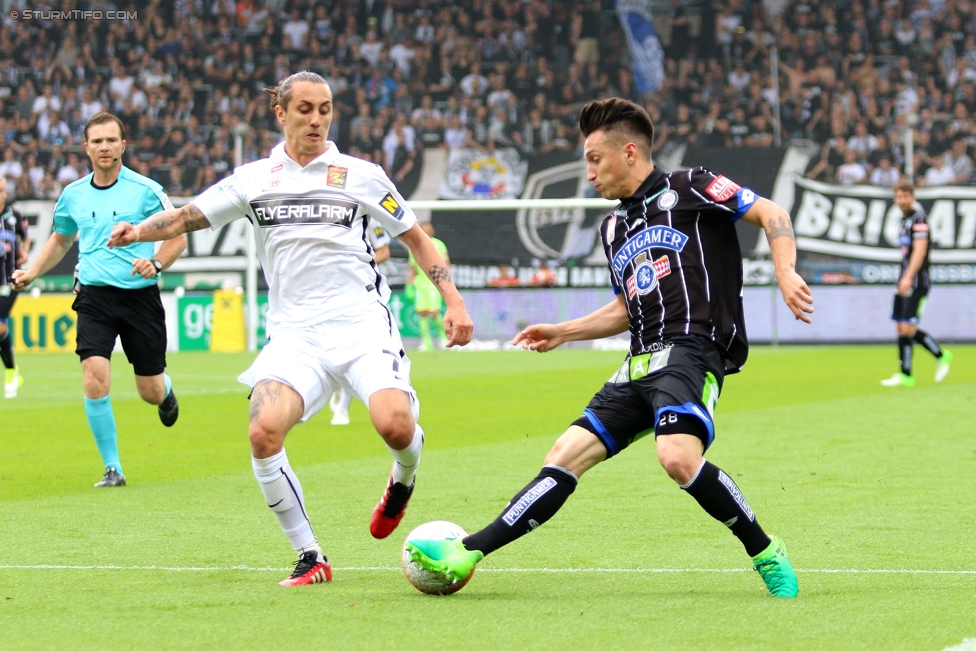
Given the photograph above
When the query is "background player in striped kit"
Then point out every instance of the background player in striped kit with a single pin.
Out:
(14, 247)
(913, 291)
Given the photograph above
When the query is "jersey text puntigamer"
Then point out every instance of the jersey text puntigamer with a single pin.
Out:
(674, 255)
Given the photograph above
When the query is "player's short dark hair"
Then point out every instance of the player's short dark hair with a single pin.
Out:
(905, 186)
(104, 117)
(281, 94)
(616, 115)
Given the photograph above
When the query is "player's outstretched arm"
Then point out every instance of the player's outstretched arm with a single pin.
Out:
(779, 231)
(163, 225)
(457, 323)
(609, 320)
(54, 250)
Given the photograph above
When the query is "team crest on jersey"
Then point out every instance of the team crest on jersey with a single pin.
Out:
(668, 200)
(722, 189)
(647, 274)
(654, 237)
(337, 176)
(392, 206)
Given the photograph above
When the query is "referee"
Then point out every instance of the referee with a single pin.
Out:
(14, 247)
(118, 294)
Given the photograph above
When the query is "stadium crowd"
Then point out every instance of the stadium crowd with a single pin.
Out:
(413, 74)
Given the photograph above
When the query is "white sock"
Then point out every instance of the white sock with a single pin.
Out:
(344, 400)
(283, 493)
(407, 459)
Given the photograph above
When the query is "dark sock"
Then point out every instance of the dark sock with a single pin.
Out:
(905, 353)
(7, 350)
(528, 510)
(721, 498)
(930, 344)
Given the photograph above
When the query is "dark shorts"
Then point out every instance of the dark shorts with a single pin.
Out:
(134, 315)
(908, 309)
(668, 392)
(7, 299)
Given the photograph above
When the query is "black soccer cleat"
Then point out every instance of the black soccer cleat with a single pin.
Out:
(169, 409)
(111, 479)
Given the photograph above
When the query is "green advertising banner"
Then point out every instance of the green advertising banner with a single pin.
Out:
(195, 314)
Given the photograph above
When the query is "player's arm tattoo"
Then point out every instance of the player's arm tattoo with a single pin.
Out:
(439, 274)
(189, 218)
(779, 226)
(264, 394)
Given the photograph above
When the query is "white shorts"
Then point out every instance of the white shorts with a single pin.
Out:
(361, 353)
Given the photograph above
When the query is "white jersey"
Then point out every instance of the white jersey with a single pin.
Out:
(312, 225)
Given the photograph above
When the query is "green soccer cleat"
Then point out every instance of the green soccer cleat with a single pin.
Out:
(942, 365)
(899, 380)
(775, 569)
(447, 557)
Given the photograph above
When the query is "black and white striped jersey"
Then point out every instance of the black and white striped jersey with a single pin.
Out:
(674, 255)
(915, 227)
(13, 230)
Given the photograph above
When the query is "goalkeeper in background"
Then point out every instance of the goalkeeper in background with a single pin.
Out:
(426, 299)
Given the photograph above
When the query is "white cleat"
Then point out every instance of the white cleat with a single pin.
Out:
(942, 365)
(340, 418)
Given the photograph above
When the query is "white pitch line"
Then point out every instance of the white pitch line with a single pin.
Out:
(969, 644)
(527, 570)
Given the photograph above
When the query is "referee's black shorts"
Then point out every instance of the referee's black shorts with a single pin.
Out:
(908, 309)
(673, 391)
(134, 315)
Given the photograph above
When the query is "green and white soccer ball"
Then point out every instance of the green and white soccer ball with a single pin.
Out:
(432, 582)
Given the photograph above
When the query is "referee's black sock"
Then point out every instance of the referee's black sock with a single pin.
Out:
(930, 344)
(722, 499)
(532, 507)
(6, 350)
(905, 353)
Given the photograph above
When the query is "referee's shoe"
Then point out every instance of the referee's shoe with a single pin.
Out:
(169, 409)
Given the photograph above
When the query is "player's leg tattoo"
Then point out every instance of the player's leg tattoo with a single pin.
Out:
(927, 341)
(265, 393)
(532, 507)
(721, 498)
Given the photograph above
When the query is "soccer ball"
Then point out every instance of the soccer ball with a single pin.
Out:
(425, 581)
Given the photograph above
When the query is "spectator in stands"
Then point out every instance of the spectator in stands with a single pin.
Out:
(939, 173)
(474, 84)
(885, 175)
(851, 172)
(73, 170)
(959, 163)
(10, 168)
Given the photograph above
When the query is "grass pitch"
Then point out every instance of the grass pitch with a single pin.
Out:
(870, 487)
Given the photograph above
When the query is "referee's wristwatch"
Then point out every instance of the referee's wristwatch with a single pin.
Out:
(159, 266)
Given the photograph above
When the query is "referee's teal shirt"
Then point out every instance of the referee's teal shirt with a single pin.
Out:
(94, 211)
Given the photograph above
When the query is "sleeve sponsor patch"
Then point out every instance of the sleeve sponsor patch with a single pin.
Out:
(722, 189)
(392, 206)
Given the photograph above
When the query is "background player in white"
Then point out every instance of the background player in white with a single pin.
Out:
(309, 205)
(341, 399)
